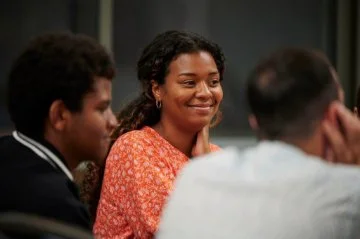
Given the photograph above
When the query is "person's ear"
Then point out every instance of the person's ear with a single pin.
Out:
(59, 115)
(156, 90)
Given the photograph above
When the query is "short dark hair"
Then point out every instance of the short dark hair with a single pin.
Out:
(54, 66)
(289, 92)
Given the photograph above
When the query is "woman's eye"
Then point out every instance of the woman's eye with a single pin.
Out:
(214, 82)
(189, 83)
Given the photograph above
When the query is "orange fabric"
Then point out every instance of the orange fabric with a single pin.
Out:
(139, 175)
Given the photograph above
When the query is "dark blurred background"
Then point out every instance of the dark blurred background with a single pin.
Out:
(246, 30)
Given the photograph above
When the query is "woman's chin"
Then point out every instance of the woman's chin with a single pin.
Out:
(198, 125)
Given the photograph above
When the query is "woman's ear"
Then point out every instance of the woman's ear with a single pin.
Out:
(156, 90)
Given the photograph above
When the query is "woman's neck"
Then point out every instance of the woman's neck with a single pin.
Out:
(177, 137)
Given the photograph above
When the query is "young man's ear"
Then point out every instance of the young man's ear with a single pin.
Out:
(59, 115)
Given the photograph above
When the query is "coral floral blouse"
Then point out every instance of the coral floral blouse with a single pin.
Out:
(139, 175)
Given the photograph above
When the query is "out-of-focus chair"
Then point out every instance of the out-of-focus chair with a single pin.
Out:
(19, 225)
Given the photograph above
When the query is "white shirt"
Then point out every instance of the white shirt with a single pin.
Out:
(271, 191)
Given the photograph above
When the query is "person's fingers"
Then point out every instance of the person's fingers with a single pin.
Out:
(351, 127)
(341, 152)
(205, 133)
(356, 112)
(201, 145)
(349, 123)
(329, 155)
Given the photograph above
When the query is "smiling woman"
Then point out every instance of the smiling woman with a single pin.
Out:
(159, 132)
(190, 95)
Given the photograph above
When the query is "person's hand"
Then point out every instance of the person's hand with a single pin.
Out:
(201, 145)
(356, 112)
(343, 135)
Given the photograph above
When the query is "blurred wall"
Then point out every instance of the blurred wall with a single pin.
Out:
(246, 30)
(20, 20)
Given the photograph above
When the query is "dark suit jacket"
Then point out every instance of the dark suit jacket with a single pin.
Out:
(30, 184)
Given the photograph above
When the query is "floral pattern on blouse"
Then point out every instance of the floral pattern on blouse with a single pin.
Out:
(139, 175)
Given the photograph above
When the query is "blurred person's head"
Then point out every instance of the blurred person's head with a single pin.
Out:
(180, 74)
(59, 90)
(289, 94)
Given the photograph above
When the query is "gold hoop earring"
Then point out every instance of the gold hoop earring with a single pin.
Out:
(158, 104)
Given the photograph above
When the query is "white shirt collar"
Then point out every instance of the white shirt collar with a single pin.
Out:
(42, 152)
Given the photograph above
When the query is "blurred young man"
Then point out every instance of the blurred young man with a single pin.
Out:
(284, 187)
(59, 94)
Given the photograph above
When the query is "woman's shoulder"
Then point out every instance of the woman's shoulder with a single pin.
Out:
(135, 139)
(134, 136)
